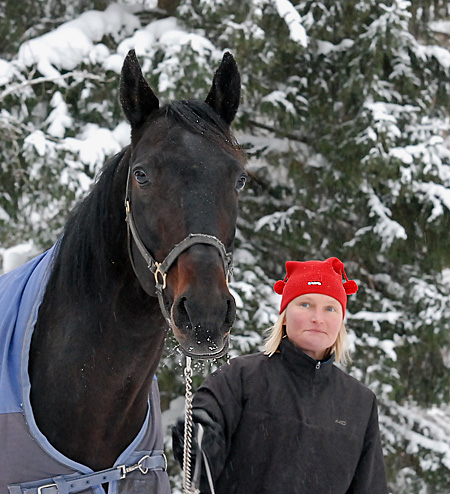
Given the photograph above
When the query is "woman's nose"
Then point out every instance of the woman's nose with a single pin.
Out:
(316, 316)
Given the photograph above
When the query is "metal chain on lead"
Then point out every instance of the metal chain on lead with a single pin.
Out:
(188, 426)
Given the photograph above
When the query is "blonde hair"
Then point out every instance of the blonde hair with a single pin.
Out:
(277, 332)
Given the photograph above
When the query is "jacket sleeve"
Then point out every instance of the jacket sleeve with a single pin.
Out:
(221, 397)
(370, 474)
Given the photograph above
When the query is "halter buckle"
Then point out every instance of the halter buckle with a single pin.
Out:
(157, 272)
(46, 486)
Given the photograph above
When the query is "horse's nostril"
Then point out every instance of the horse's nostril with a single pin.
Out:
(181, 316)
(231, 312)
(203, 329)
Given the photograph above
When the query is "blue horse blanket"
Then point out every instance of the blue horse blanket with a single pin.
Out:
(28, 462)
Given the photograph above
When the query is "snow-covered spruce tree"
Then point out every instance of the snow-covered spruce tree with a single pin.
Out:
(60, 119)
(30, 18)
(348, 141)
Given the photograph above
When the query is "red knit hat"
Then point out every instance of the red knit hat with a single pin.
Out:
(315, 277)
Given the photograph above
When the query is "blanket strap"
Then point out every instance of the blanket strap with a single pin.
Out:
(67, 484)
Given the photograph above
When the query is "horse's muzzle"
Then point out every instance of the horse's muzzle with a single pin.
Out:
(206, 352)
(203, 332)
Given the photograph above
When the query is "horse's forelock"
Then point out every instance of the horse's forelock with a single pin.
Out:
(199, 118)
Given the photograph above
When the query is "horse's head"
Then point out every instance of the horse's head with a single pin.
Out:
(185, 173)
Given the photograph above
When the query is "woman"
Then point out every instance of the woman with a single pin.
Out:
(288, 420)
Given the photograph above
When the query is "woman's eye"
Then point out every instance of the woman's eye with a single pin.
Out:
(141, 177)
(304, 304)
(331, 309)
(240, 184)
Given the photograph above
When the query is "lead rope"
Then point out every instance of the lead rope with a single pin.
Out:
(187, 483)
(188, 488)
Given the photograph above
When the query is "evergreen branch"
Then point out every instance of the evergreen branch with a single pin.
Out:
(279, 132)
(40, 80)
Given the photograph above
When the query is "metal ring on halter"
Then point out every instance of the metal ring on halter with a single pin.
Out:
(142, 469)
(163, 275)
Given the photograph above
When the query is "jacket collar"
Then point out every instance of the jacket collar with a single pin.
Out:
(302, 364)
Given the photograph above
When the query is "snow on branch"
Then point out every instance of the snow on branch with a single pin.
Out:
(437, 194)
(388, 229)
(280, 98)
(432, 301)
(72, 42)
(422, 429)
(15, 88)
(278, 221)
(293, 20)
(441, 54)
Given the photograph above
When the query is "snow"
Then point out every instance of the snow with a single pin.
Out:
(165, 31)
(390, 317)
(325, 47)
(142, 41)
(173, 413)
(442, 55)
(95, 144)
(260, 142)
(437, 195)
(278, 221)
(279, 98)
(162, 26)
(5, 72)
(433, 302)
(18, 255)
(59, 119)
(440, 26)
(427, 430)
(113, 63)
(386, 228)
(38, 140)
(293, 20)
(71, 43)
(403, 155)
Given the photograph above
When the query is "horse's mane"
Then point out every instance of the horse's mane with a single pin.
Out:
(89, 229)
(94, 238)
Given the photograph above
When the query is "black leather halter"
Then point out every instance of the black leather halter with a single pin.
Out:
(160, 269)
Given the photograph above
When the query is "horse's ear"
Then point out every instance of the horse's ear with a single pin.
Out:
(136, 97)
(225, 92)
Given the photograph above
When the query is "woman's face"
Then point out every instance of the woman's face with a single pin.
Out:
(313, 322)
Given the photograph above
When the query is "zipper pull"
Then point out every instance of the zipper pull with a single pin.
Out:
(318, 365)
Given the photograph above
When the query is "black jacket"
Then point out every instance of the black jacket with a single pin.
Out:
(288, 424)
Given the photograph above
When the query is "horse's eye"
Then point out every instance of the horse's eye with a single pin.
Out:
(141, 176)
(240, 184)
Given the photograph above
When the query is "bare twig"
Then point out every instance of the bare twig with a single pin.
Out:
(33, 82)
(279, 132)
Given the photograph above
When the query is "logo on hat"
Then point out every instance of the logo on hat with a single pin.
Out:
(315, 283)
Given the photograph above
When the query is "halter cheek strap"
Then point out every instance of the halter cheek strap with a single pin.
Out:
(160, 270)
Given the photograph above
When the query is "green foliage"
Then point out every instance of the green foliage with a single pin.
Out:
(358, 169)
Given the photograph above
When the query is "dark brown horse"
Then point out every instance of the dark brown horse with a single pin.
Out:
(100, 330)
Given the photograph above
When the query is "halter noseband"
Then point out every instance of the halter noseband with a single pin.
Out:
(160, 269)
